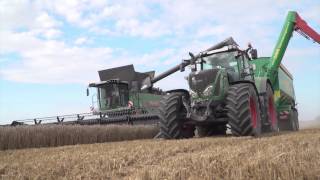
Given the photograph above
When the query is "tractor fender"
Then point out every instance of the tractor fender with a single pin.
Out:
(261, 84)
(182, 91)
(250, 82)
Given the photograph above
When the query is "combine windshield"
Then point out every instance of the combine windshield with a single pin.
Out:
(113, 95)
(225, 60)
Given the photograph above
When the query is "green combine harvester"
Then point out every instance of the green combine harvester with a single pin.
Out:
(120, 96)
(123, 96)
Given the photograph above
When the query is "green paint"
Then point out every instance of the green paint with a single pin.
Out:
(282, 84)
(281, 46)
(218, 92)
(269, 67)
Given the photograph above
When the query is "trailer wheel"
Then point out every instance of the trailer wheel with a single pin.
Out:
(294, 120)
(172, 114)
(271, 112)
(243, 110)
(291, 123)
(204, 131)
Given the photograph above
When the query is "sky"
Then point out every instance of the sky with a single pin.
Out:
(51, 49)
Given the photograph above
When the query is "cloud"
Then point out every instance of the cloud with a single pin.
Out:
(43, 20)
(133, 27)
(82, 40)
(52, 61)
(16, 13)
(180, 26)
(208, 30)
(68, 41)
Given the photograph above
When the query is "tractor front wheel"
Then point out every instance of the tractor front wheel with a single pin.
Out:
(243, 110)
(172, 114)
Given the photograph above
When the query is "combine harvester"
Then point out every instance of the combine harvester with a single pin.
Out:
(227, 86)
(120, 99)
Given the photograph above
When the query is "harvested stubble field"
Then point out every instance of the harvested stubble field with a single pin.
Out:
(282, 156)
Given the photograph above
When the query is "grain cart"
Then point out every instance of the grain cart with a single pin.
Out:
(233, 86)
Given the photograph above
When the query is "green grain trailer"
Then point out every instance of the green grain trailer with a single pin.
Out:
(270, 70)
(228, 85)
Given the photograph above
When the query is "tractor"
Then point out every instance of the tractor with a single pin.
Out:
(230, 87)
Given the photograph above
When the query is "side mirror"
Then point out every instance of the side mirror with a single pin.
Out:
(254, 53)
(191, 55)
(193, 58)
(87, 91)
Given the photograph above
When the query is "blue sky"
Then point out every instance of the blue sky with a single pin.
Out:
(51, 50)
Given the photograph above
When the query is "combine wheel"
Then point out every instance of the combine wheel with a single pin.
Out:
(271, 112)
(211, 130)
(243, 110)
(172, 114)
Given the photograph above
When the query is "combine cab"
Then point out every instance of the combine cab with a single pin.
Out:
(119, 96)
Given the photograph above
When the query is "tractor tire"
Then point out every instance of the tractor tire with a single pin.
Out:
(290, 124)
(270, 110)
(243, 110)
(172, 114)
(205, 131)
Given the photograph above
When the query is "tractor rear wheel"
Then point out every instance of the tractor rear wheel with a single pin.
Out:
(211, 130)
(243, 110)
(172, 114)
(271, 112)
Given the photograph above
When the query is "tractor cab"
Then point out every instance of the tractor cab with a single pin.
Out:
(214, 69)
(111, 94)
(235, 63)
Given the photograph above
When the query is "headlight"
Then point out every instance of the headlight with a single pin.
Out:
(208, 91)
(193, 94)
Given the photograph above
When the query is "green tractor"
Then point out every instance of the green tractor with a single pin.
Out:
(230, 86)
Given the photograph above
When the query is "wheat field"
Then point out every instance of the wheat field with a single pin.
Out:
(288, 155)
(59, 135)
